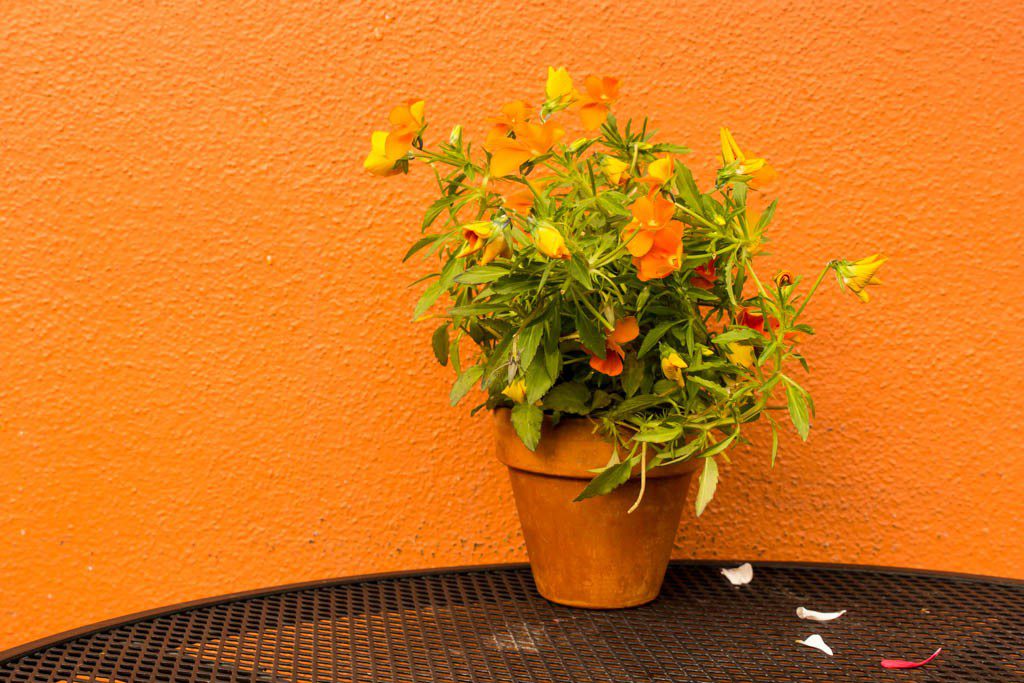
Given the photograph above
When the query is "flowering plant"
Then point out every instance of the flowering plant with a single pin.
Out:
(597, 279)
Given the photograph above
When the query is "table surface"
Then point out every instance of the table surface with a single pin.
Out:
(490, 624)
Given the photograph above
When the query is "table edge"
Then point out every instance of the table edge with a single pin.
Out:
(30, 647)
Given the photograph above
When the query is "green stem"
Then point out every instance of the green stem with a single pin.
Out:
(814, 288)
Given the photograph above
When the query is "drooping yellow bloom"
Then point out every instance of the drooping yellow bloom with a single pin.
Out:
(741, 354)
(550, 243)
(616, 170)
(475, 234)
(495, 247)
(858, 275)
(516, 391)
(672, 365)
(757, 169)
(559, 84)
(377, 161)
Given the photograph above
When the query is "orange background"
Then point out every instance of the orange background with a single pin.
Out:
(209, 378)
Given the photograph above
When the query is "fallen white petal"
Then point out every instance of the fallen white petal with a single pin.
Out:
(805, 613)
(741, 575)
(817, 643)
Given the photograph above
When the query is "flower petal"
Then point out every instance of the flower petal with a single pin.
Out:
(810, 614)
(739, 576)
(903, 664)
(817, 643)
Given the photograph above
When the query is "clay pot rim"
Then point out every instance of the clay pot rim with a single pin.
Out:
(555, 455)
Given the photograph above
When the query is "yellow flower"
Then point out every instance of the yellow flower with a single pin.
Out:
(857, 275)
(559, 83)
(516, 391)
(672, 366)
(475, 234)
(496, 247)
(741, 354)
(658, 171)
(616, 170)
(377, 161)
(757, 169)
(550, 242)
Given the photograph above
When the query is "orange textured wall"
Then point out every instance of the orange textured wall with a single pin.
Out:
(209, 379)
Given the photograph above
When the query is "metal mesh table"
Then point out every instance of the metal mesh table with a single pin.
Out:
(489, 624)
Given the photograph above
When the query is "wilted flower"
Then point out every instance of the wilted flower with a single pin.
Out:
(615, 170)
(516, 391)
(626, 330)
(475, 234)
(858, 275)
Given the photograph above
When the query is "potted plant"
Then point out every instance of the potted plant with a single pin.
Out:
(610, 311)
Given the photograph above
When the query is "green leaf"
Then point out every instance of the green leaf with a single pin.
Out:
(775, 441)
(659, 434)
(707, 484)
(590, 335)
(798, 409)
(481, 274)
(579, 270)
(738, 334)
(568, 397)
(652, 337)
(708, 384)
(529, 342)
(607, 481)
(527, 419)
(420, 243)
(440, 343)
(429, 297)
(635, 405)
(632, 374)
(538, 381)
(465, 382)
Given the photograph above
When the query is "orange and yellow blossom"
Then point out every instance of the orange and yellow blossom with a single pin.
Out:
(626, 330)
(595, 103)
(406, 124)
(531, 140)
(704, 276)
(550, 242)
(760, 173)
(665, 255)
(475, 234)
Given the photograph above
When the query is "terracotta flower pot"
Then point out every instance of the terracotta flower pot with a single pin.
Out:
(592, 553)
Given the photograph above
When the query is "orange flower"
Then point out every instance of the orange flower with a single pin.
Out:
(654, 238)
(626, 330)
(519, 197)
(665, 255)
(531, 140)
(650, 214)
(513, 114)
(595, 103)
(406, 123)
(659, 171)
(496, 247)
(704, 276)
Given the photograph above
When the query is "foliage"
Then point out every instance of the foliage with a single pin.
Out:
(597, 279)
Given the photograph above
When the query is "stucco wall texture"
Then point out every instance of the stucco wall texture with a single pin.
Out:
(209, 380)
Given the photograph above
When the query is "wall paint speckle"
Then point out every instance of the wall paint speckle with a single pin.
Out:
(208, 377)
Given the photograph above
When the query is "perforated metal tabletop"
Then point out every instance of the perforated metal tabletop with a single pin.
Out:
(489, 624)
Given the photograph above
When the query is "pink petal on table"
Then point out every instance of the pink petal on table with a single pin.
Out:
(902, 664)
